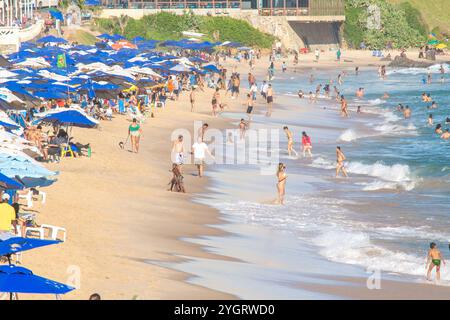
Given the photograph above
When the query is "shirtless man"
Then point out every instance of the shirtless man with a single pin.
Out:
(202, 131)
(269, 100)
(344, 111)
(192, 98)
(434, 259)
(445, 135)
(340, 158)
(243, 126)
(290, 145)
(407, 112)
(178, 150)
(215, 102)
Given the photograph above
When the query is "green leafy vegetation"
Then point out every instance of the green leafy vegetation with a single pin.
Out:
(168, 26)
(399, 24)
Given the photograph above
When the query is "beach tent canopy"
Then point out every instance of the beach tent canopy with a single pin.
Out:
(70, 117)
(56, 14)
(14, 245)
(14, 105)
(211, 68)
(51, 39)
(180, 68)
(441, 46)
(21, 280)
(92, 3)
(8, 183)
(9, 126)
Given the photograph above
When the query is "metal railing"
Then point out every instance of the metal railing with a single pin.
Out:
(169, 5)
(314, 8)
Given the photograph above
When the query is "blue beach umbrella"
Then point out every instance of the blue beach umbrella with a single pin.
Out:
(9, 126)
(14, 279)
(15, 245)
(51, 39)
(8, 183)
(68, 118)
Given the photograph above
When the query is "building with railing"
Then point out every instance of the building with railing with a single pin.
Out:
(264, 7)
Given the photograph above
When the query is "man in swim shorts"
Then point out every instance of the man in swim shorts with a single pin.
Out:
(434, 259)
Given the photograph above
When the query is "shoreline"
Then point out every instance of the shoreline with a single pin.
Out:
(162, 221)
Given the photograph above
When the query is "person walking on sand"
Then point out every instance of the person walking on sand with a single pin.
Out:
(269, 100)
(192, 98)
(340, 158)
(434, 259)
(199, 151)
(306, 144)
(317, 54)
(290, 146)
(201, 132)
(281, 184)
(178, 151)
(249, 104)
(215, 102)
(135, 131)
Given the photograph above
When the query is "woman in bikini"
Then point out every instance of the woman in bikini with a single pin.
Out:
(135, 131)
(340, 158)
(290, 145)
(281, 185)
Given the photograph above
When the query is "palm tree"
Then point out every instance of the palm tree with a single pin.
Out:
(122, 21)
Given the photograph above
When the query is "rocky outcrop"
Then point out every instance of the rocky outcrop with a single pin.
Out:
(402, 62)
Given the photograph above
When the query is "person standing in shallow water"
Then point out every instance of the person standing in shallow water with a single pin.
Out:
(434, 259)
(340, 158)
(281, 184)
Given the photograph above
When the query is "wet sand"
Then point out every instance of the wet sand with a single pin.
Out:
(119, 215)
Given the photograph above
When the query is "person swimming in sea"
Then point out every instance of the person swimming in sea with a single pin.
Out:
(447, 120)
(445, 135)
(358, 109)
(407, 112)
(438, 129)
(301, 94)
(430, 120)
(434, 259)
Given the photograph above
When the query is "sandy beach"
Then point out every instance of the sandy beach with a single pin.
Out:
(120, 217)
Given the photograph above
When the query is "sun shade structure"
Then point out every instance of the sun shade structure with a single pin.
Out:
(70, 117)
(51, 39)
(18, 244)
(8, 183)
(14, 279)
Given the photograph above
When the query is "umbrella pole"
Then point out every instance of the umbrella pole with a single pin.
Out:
(9, 259)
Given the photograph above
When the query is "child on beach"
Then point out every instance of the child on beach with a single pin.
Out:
(434, 259)
(177, 179)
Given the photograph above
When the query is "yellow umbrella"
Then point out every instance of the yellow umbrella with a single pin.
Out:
(441, 46)
(130, 89)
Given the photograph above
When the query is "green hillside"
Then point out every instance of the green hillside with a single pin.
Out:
(435, 13)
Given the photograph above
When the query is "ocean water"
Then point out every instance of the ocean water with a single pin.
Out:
(395, 202)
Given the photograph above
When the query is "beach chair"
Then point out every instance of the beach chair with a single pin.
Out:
(53, 231)
(33, 231)
(66, 149)
(29, 196)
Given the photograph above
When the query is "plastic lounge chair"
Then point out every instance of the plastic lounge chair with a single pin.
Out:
(53, 231)
(33, 230)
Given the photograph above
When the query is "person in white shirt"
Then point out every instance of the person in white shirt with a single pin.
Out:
(253, 90)
(264, 88)
(200, 149)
